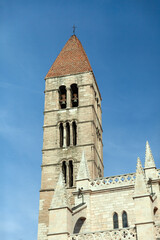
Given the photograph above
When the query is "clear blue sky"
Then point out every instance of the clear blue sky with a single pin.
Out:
(122, 41)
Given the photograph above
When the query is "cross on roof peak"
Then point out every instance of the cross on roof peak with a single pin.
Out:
(74, 29)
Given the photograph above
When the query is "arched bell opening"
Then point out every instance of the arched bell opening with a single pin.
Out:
(62, 97)
(74, 95)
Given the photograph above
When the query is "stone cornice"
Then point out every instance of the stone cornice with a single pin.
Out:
(141, 196)
(141, 223)
(47, 190)
(58, 208)
(60, 233)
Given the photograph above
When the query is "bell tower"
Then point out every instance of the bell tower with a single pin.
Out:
(72, 123)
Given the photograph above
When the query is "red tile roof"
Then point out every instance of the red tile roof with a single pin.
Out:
(71, 60)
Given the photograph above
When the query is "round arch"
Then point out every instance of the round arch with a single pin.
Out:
(79, 225)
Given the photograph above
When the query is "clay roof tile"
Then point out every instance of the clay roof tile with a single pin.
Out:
(71, 60)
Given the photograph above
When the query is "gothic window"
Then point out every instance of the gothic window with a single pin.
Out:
(74, 95)
(115, 221)
(74, 127)
(61, 130)
(64, 170)
(124, 219)
(62, 97)
(67, 134)
(70, 174)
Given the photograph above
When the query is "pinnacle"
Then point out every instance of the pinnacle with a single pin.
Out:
(83, 172)
(139, 166)
(149, 160)
(60, 198)
(140, 182)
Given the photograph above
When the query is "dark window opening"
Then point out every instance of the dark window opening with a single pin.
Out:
(62, 97)
(70, 174)
(64, 170)
(155, 210)
(61, 134)
(124, 220)
(79, 225)
(115, 221)
(74, 127)
(68, 133)
(74, 95)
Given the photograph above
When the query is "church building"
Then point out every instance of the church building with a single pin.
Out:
(76, 201)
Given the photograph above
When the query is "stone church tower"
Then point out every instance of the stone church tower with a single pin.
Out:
(76, 201)
(72, 124)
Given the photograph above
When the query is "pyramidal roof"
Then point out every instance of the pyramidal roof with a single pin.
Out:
(71, 60)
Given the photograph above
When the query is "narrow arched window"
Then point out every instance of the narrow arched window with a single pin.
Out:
(68, 134)
(70, 174)
(74, 128)
(64, 170)
(124, 219)
(62, 97)
(61, 129)
(74, 95)
(79, 226)
(115, 221)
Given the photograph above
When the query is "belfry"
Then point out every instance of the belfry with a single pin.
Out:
(76, 200)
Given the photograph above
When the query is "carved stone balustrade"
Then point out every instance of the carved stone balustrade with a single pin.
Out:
(120, 234)
(115, 181)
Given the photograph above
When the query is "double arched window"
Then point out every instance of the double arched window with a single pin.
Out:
(67, 169)
(68, 134)
(124, 220)
(72, 94)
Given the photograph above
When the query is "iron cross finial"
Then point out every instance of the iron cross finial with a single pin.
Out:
(74, 28)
